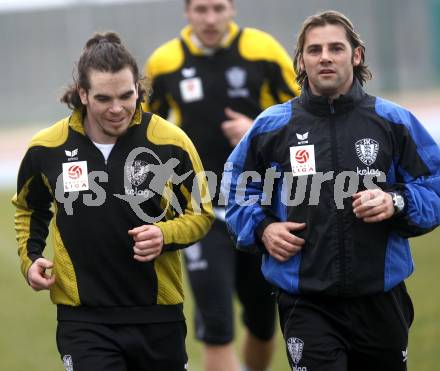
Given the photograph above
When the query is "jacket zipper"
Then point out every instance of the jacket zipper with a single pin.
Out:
(339, 213)
(105, 185)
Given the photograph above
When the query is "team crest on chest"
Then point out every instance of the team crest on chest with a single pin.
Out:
(236, 78)
(137, 172)
(367, 150)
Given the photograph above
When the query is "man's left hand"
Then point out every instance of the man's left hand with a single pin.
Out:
(148, 242)
(373, 205)
(236, 127)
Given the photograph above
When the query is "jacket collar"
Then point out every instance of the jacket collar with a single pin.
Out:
(76, 121)
(319, 105)
(195, 46)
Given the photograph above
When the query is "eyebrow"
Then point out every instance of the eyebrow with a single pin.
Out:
(336, 43)
(127, 93)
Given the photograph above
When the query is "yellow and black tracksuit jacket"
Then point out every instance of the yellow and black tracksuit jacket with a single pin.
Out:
(250, 72)
(97, 278)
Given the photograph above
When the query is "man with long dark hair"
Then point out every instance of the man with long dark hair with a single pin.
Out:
(115, 181)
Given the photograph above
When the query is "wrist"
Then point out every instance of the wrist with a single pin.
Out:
(263, 224)
(398, 202)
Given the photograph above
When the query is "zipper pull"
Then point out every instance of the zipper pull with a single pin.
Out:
(332, 107)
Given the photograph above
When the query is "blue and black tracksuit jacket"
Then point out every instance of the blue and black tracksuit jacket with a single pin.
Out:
(359, 141)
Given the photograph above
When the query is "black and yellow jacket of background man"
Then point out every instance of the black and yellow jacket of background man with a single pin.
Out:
(250, 72)
(97, 278)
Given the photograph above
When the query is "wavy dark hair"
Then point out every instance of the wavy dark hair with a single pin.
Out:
(361, 72)
(103, 52)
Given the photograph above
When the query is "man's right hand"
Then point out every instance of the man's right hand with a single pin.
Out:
(279, 240)
(37, 277)
(236, 126)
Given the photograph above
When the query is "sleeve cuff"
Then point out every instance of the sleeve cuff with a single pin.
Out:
(260, 230)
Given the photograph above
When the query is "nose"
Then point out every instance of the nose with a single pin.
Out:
(116, 107)
(325, 55)
(211, 17)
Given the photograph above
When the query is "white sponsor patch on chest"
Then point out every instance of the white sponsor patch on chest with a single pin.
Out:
(75, 176)
(191, 89)
(302, 160)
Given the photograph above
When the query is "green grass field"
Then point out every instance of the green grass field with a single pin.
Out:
(27, 335)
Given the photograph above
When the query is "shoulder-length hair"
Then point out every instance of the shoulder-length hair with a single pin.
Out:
(361, 71)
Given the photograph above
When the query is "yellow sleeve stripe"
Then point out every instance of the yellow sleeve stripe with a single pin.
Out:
(22, 221)
(191, 226)
(254, 45)
(266, 98)
(168, 268)
(175, 113)
(65, 289)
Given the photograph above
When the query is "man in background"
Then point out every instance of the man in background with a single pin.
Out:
(214, 80)
(99, 173)
(352, 177)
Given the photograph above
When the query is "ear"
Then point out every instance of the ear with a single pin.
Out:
(137, 90)
(357, 56)
(301, 62)
(83, 96)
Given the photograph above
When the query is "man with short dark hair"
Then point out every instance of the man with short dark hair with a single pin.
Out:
(122, 188)
(215, 79)
(329, 187)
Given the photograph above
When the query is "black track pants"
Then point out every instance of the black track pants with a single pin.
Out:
(347, 334)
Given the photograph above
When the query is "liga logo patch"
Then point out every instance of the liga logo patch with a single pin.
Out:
(191, 89)
(75, 176)
(302, 160)
(74, 172)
